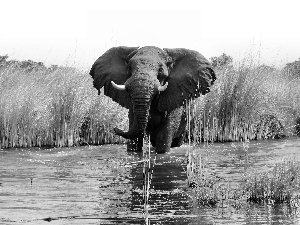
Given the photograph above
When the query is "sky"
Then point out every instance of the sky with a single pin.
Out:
(76, 33)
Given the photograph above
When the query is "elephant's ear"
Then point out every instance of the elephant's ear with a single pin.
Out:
(112, 66)
(191, 76)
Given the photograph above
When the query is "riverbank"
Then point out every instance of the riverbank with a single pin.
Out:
(59, 106)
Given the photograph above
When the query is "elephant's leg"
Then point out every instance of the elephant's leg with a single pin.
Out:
(135, 144)
(153, 140)
(167, 131)
(180, 134)
(178, 141)
(155, 124)
(163, 140)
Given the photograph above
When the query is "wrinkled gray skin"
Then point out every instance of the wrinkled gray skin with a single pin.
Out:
(154, 84)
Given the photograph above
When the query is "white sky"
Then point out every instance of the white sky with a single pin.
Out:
(75, 33)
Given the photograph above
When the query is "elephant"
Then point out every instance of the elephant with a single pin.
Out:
(154, 84)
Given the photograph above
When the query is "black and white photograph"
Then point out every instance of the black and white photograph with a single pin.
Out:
(149, 112)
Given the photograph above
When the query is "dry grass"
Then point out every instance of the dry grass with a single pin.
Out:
(48, 108)
(279, 185)
(208, 189)
(240, 100)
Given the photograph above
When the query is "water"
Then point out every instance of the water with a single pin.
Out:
(104, 185)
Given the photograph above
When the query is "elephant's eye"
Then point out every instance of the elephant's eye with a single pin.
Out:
(162, 75)
(160, 71)
(129, 68)
(162, 78)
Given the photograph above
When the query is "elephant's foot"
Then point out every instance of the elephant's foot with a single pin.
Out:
(162, 149)
(177, 142)
(161, 139)
(135, 144)
(163, 144)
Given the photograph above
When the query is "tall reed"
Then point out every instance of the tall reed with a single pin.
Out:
(103, 116)
(239, 103)
(41, 108)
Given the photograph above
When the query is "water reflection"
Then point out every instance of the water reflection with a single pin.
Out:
(168, 196)
(104, 184)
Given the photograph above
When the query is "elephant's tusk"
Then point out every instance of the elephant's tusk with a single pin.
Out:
(162, 88)
(118, 87)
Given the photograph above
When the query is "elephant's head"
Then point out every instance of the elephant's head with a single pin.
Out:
(140, 78)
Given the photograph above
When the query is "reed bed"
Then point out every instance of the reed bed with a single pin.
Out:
(208, 189)
(49, 108)
(58, 106)
(102, 117)
(247, 102)
(280, 184)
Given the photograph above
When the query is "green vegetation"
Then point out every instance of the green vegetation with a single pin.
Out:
(58, 106)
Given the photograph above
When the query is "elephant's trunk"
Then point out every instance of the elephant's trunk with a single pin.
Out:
(141, 100)
(141, 109)
(138, 126)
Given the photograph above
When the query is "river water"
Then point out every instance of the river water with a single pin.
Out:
(104, 185)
